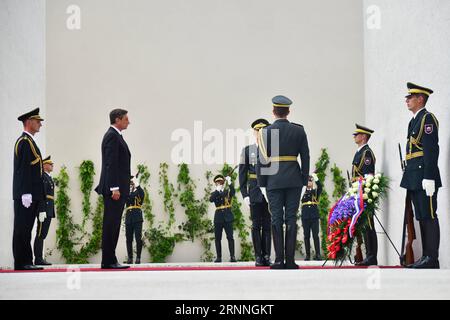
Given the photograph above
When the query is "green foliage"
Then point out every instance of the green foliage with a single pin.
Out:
(198, 224)
(67, 239)
(161, 244)
(324, 201)
(239, 221)
(340, 184)
(167, 190)
(147, 205)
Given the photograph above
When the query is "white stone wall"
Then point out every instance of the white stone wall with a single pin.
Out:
(412, 44)
(22, 87)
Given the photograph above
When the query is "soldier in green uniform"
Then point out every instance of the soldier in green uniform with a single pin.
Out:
(421, 177)
(253, 197)
(223, 217)
(28, 190)
(134, 220)
(45, 218)
(282, 178)
(363, 164)
(310, 216)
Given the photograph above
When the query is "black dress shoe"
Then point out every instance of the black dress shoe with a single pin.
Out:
(307, 258)
(318, 258)
(29, 268)
(114, 266)
(218, 260)
(415, 263)
(368, 261)
(233, 259)
(129, 261)
(427, 263)
(277, 265)
(42, 263)
(259, 262)
(266, 261)
(291, 265)
(138, 261)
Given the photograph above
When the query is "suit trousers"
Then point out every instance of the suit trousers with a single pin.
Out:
(112, 218)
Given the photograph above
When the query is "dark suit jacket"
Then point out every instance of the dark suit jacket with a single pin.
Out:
(116, 169)
(423, 131)
(292, 142)
(28, 170)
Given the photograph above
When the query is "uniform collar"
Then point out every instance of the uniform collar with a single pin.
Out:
(359, 149)
(419, 111)
(24, 131)
(282, 120)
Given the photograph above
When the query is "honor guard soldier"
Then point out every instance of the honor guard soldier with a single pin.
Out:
(364, 164)
(134, 220)
(253, 197)
(421, 177)
(223, 217)
(45, 218)
(282, 178)
(310, 216)
(28, 190)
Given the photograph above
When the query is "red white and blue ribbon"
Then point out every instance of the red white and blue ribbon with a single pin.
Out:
(359, 205)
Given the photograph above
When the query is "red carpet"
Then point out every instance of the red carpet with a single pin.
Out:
(190, 269)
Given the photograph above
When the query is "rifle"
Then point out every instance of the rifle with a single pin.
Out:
(349, 180)
(407, 254)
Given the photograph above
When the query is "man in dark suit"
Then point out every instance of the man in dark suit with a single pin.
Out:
(421, 177)
(364, 163)
(114, 185)
(28, 190)
(45, 218)
(279, 172)
(253, 197)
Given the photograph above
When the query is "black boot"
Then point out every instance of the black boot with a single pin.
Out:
(38, 252)
(231, 248)
(256, 238)
(291, 241)
(317, 256)
(218, 251)
(278, 244)
(129, 251)
(138, 251)
(431, 239)
(307, 249)
(370, 239)
(267, 244)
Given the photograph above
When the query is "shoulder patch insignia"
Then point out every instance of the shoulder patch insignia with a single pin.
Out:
(428, 128)
(367, 161)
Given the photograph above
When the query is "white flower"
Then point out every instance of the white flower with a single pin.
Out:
(367, 190)
(370, 201)
(375, 194)
(378, 175)
(368, 185)
(369, 178)
(375, 187)
(355, 184)
(376, 181)
(365, 196)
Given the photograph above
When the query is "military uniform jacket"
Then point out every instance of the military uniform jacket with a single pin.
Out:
(310, 201)
(222, 200)
(28, 170)
(422, 152)
(284, 172)
(247, 174)
(133, 206)
(363, 163)
(49, 187)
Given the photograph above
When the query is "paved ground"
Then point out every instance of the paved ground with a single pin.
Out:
(220, 284)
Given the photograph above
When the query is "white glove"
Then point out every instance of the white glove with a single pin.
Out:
(263, 190)
(428, 186)
(315, 177)
(219, 187)
(27, 199)
(228, 180)
(247, 201)
(42, 216)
